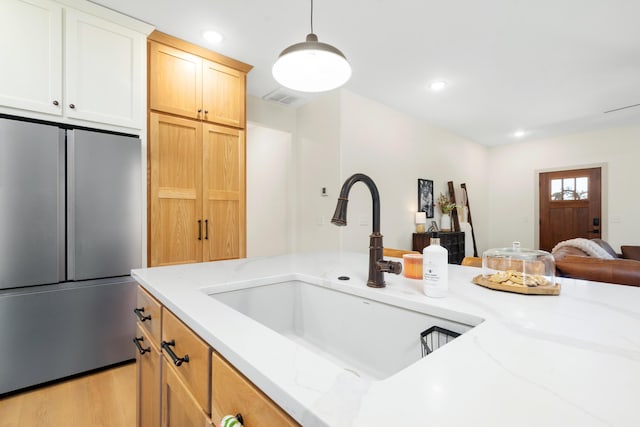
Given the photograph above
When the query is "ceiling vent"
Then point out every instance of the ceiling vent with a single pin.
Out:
(284, 97)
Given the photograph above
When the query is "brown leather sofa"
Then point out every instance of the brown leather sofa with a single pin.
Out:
(623, 270)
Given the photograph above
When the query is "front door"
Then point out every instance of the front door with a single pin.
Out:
(569, 206)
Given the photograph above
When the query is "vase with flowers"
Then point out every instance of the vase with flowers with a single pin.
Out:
(446, 206)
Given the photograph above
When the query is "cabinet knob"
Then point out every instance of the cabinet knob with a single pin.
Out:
(72, 106)
(199, 110)
(206, 111)
(55, 102)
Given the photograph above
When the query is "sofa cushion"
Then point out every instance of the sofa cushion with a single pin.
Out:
(631, 252)
(621, 271)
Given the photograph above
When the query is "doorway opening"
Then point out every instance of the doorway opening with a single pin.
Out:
(570, 204)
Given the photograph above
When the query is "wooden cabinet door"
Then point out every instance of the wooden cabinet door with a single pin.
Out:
(175, 81)
(148, 386)
(175, 201)
(103, 62)
(224, 192)
(198, 367)
(179, 408)
(31, 46)
(232, 393)
(223, 96)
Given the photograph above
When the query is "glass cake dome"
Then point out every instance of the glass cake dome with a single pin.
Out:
(516, 266)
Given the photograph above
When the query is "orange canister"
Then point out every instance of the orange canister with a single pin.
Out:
(412, 265)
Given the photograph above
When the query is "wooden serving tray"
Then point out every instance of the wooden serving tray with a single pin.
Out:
(537, 290)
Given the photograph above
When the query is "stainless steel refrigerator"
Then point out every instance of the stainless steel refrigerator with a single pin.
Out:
(70, 233)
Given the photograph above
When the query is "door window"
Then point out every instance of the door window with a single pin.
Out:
(574, 188)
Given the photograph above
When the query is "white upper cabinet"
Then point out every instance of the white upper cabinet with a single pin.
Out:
(102, 63)
(103, 76)
(31, 52)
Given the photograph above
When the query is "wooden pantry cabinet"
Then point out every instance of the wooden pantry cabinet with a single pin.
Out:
(197, 169)
(186, 383)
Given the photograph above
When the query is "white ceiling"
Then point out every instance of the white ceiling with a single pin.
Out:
(548, 67)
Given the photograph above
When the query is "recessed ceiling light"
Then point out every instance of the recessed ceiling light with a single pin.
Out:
(519, 133)
(212, 36)
(439, 85)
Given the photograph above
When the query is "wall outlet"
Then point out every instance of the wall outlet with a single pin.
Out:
(616, 219)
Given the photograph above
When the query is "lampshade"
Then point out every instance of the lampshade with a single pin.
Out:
(311, 66)
(421, 218)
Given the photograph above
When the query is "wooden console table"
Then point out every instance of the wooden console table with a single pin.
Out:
(453, 241)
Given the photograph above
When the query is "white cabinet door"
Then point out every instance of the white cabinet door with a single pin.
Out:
(103, 65)
(31, 55)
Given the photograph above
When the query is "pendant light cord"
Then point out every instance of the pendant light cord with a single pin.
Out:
(311, 16)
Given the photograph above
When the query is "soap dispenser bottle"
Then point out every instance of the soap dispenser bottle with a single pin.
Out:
(435, 268)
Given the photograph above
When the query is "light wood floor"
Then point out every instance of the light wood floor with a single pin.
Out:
(102, 399)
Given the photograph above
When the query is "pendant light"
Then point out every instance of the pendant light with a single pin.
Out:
(311, 66)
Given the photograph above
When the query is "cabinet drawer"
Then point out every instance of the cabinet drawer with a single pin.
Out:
(232, 393)
(180, 340)
(149, 315)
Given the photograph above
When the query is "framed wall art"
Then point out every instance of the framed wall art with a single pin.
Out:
(425, 197)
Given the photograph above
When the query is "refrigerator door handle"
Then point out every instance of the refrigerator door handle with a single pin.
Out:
(62, 196)
(71, 202)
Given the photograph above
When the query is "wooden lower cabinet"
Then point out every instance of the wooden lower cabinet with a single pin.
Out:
(179, 408)
(186, 344)
(232, 393)
(148, 373)
(199, 392)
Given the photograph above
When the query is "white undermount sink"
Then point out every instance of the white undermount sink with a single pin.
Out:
(369, 338)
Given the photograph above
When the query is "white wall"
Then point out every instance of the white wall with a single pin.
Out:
(270, 207)
(317, 161)
(271, 183)
(513, 175)
(395, 150)
(342, 133)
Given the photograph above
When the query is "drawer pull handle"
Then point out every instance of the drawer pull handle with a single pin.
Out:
(166, 346)
(206, 229)
(199, 229)
(138, 312)
(137, 341)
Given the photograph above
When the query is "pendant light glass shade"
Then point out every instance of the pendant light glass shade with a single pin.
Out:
(311, 66)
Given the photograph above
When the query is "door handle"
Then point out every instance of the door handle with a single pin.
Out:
(142, 317)
(166, 346)
(206, 229)
(199, 229)
(137, 341)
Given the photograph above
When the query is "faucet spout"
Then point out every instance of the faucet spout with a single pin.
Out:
(340, 215)
(377, 265)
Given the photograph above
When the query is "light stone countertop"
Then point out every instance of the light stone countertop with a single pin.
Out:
(568, 360)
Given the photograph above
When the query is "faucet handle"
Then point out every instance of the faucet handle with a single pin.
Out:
(387, 266)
